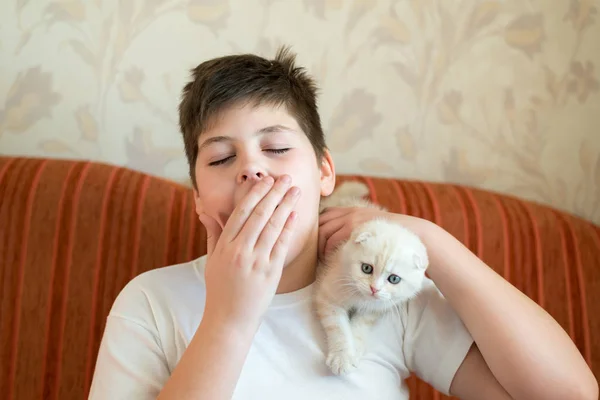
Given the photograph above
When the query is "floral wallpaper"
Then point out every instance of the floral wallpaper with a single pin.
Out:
(503, 95)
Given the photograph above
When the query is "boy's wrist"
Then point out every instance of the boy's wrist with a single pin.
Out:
(431, 234)
(423, 228)
(217, 326)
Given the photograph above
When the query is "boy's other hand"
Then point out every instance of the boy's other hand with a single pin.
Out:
(337, 223)
(245, 259)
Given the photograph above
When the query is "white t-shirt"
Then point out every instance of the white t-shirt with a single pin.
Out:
(155, 316)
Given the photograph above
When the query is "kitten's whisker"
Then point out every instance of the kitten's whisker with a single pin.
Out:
(398, 313)
(345, 281)
(347, 290)
(395, 310)
(346, 284)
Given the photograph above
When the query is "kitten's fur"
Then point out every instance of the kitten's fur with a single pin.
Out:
(344, 300)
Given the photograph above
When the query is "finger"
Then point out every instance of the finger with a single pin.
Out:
(281, 247)
(240, 214)
(324, 245)
(213, 232)
(263, 212)
(275, 224)
(333, 213)
(327, 230)
(336, 239)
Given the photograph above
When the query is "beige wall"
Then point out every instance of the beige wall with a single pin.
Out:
(502, 95)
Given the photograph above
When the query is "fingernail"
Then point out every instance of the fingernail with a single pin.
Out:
(269, 180)
(286, 179)
(295, 191)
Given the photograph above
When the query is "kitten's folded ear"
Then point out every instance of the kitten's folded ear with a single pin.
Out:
(421, 261)
(362, 237)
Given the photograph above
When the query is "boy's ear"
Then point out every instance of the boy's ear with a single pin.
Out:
(197, 202)
(327, 174)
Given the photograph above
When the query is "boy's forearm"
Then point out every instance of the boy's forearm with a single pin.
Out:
(525, 348)
(211, 365)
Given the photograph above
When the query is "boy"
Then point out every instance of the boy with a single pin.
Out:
(238, 322)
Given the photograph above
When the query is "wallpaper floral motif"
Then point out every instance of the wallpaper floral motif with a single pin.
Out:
(502, 95)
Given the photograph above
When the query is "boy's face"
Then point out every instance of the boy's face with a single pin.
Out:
(246, 144)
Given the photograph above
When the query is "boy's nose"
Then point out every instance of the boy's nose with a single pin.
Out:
(257, 176)
(252, 174)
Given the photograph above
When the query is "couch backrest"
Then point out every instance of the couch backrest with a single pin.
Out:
(72, 234)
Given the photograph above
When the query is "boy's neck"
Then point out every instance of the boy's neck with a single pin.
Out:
(301, 271)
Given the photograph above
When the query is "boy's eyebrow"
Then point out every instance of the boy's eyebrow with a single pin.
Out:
(262, 131)
(273, 129)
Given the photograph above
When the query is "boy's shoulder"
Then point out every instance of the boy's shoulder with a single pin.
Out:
(162, 289)
(164, 278)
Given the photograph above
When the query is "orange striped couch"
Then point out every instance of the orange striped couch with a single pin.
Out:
(73, 233)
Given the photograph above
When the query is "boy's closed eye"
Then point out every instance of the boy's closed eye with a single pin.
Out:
(223, 160)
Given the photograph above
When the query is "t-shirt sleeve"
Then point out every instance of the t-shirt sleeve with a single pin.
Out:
(435, 339)
(131, 363)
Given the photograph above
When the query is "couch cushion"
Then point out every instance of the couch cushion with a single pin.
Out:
(73, 233)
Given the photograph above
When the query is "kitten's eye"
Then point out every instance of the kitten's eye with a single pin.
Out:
(367, 269)
(394, 279)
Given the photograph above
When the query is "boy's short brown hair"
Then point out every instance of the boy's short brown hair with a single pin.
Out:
(222, 82)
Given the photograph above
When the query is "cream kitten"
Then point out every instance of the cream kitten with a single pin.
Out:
(379, 267)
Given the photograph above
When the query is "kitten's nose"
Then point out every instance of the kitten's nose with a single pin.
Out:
(374, 290)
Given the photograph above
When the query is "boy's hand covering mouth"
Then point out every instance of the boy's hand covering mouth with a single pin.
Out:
(223, 217)
(245, 258)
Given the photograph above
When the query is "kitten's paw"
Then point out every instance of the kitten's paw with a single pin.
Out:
(343, 361)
